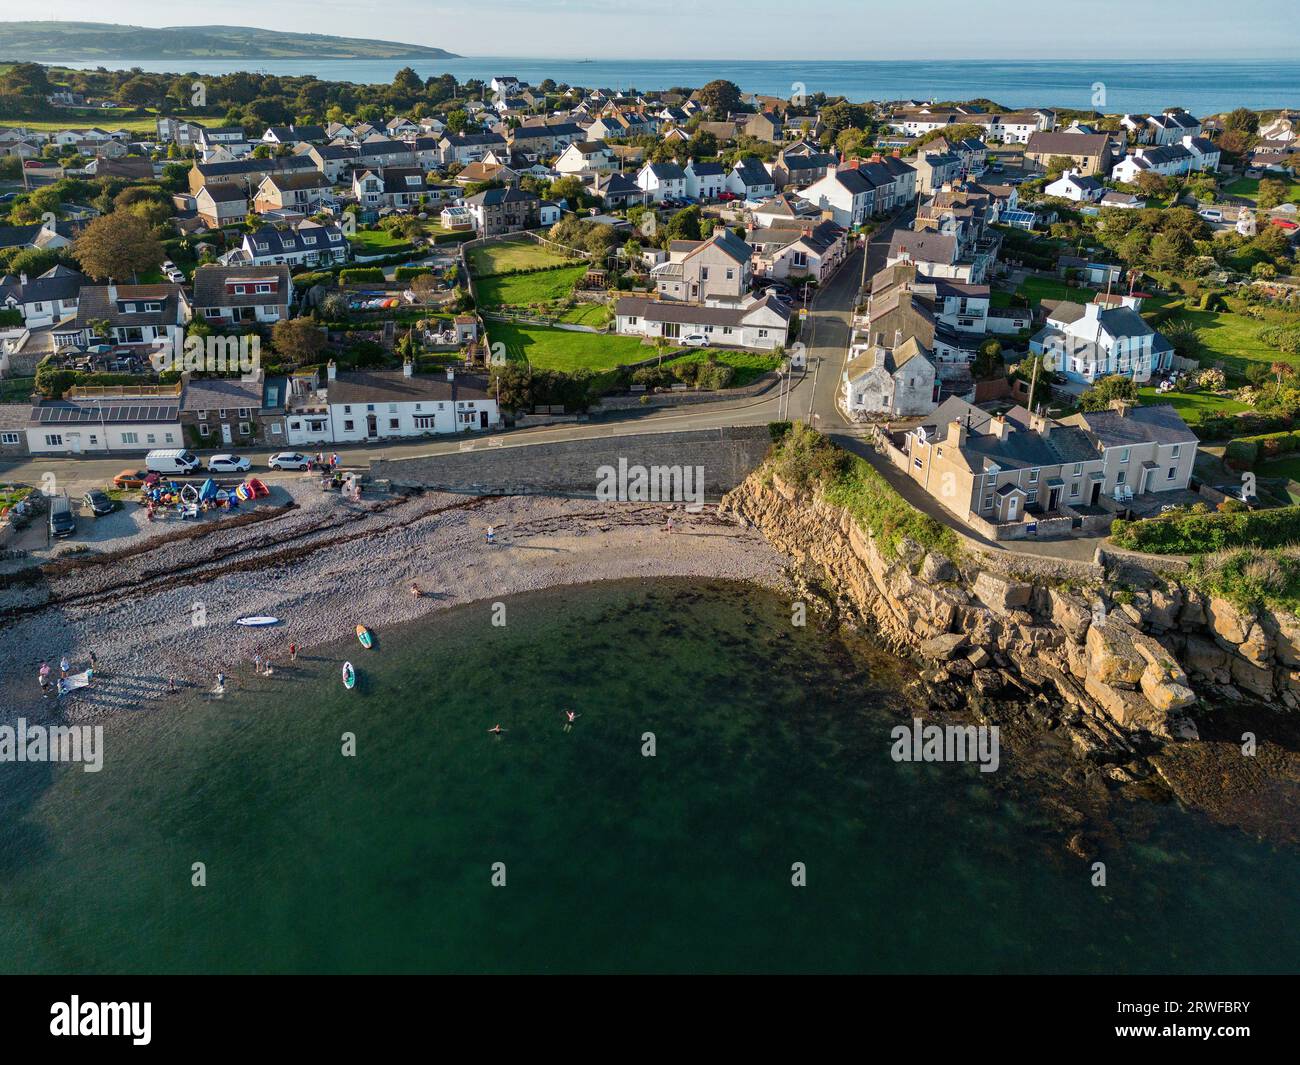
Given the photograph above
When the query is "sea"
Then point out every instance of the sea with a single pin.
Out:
(724, 800)
(1203, 86)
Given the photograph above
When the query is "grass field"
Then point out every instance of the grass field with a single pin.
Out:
(1037, 289)
(749, 365)
(1193, 406)
(559, 349)
(1248, 189)
(520, 290)
(1233, 338)
(378, 242)
(108, 119)
(523, 254)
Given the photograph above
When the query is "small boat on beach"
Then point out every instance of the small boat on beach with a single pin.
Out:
(349, 676)
(364, 636)
(257, 621)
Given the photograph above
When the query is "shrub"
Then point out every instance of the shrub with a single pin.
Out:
(361, 273)
(1191, 533)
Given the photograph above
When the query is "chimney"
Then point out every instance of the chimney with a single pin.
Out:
(22, 277)
(1120, 407)
(898, 153)
(331, 370)
(451, 374)
(956, 433)
(1092, 311)
(408, 367)
(998, 426)
(1040, 424)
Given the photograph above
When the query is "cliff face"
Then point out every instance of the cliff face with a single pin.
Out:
(993, 620)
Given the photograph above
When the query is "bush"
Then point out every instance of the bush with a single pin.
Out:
(1192, 534)
(1243, 452)
(361, 273)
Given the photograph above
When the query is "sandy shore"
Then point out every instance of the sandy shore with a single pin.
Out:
(322, 564)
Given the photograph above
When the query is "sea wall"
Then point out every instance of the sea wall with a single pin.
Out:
(1132, 663)
(570, 467)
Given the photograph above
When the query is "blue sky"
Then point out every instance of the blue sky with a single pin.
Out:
(754, 29)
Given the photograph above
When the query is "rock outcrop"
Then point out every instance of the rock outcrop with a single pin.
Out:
(1128, 664)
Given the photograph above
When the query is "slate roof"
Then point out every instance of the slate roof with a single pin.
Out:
(57, 283)
(396, 387)
(210, 285)
(1159, 424)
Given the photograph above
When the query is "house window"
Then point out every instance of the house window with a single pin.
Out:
(53, 440)
(243, 412)
(1175, 451)
(245, 429)
(916, 463)
(204, 430)
(203, 416)
(347, 425)
(9, 438)
(394, 423)
(987, 504)
(1074, 490)
(1033, 476)
(274, 429)
(1119, 479)
(150, 438)
(1172, 470)
(1078, 469)
(1123, 455)
(130, 438)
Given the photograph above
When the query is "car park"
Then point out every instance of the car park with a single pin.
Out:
(228, 464)
(288, 460)
(98, 503)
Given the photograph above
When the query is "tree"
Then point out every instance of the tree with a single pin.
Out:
(721, 96)
(297, 340)
(118, 245)
(1271, 194)
(1242, 120)
(457, 121)
(1149, 183)
(1114, 387)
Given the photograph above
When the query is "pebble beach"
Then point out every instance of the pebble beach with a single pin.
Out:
(159, 607)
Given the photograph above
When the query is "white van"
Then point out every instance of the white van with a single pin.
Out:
(177, 460)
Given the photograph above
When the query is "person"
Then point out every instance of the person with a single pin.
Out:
(293, 652)
(320, 459)
(415, 590)
(64, 666)
(669, 526)
(569, 718)
(267, 670)
(45, 674)
(221, 681)
(334, 461)
(171, 685)
(491, 535)
(257, 661)
(496, 730)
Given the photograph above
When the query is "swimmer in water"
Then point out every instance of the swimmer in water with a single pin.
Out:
(496, 730)
(569, 718)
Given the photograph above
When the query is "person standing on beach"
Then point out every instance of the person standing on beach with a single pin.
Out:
(293, 652)
(44, 674)
(91, 671)
(64, 666)
(221, 681)
(257, 661)
(491, 535)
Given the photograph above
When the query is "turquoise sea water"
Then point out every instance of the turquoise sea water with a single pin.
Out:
(1203, 86)
(772, 747)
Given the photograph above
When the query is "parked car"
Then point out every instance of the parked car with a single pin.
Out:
(98, 503)
(62, 521)
(130, 478)
(288, 460)
(172, 460)
(228, 464)
(695, 340)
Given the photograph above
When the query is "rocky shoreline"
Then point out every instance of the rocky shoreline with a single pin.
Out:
(1158, 688)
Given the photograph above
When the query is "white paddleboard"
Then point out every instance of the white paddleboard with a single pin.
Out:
(257, 621)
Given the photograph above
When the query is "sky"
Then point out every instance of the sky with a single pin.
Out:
(753, 29)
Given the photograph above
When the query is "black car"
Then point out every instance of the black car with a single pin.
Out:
(98, 503)
(62, 521)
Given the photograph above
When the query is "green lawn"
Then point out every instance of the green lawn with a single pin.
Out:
(560, 349)
(749, 365)
(1037, 289)
(16, 389)
(1194, 406)
(520, 290)
(107, 118)
(1233, 338)
(379, 242)
(593, 314)
(521, 254)
(1248, 188)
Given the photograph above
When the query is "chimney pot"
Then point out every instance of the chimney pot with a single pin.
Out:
(331, 370)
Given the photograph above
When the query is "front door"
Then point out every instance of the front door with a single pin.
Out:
(372, 427)
(1096, 493)
(225, 433)
(482, 419)
(1013, 507)
(1053, 499)
(74, 443)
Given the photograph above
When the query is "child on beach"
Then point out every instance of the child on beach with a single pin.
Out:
(64, 666)
(491, 535)
(293, 652)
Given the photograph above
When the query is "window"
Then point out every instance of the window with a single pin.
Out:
(244, 412)
(1078, 469)
(425, 421)
(394, 423)
(204, 429)
(10, 438)
(916, 463)
(1172, 470)
(245, 429)
(1123, 455)
(53, 440)
(1119, 479)
(1033, 476)
(1074, 490)
(150, 438)
(203, 416)
(1175, 452)
(347, 425)
(221, 413)
(130, 438)
(987, 504)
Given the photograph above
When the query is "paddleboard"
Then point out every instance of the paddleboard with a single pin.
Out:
(349, 675)
(257, 620)
(363, 634)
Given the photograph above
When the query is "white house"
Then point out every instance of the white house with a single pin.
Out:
(42, 300)
(1172, 126)
(662, 181)
(762, 324)
(391, 405)
(705, 181)
(897, 382)
(104, 424)
(585, 157)
(1169, 159)
(1089, 341)
(847, 194)
(1077, 187)
(750, 180)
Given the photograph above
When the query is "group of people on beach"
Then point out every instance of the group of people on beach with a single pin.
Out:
(64, 684)
(261, 666)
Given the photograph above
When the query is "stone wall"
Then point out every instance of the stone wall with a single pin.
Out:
(1132, 663)
(570, 467)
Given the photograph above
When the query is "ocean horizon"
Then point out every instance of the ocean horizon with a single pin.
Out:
(1107, 85)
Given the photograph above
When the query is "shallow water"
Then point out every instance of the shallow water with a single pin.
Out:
(772, 747)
